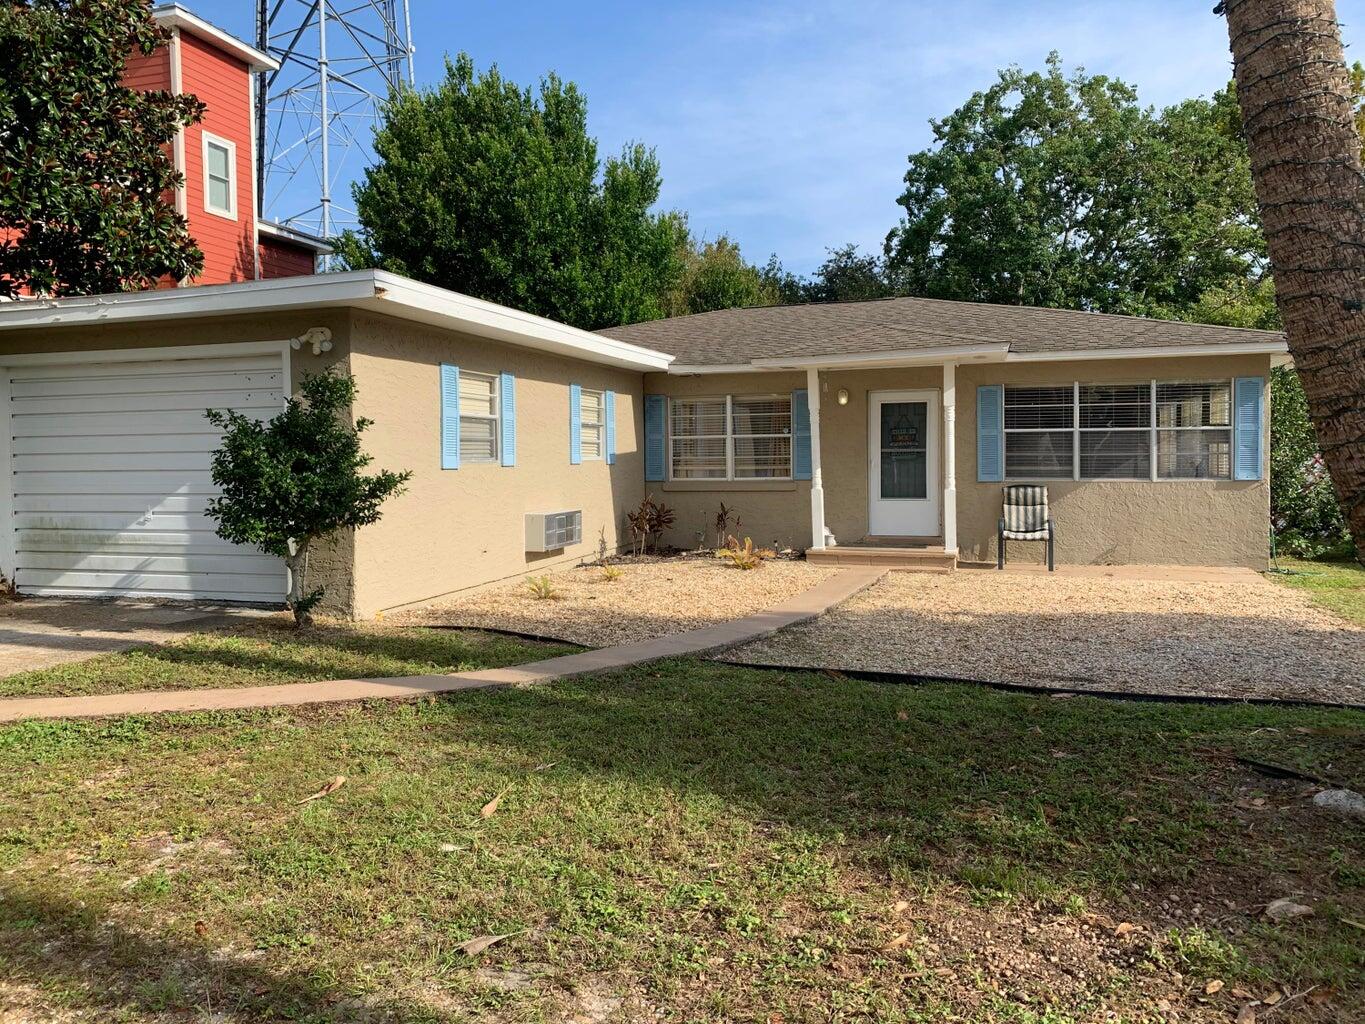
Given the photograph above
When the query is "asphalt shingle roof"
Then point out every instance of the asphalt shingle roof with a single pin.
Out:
(887, 325)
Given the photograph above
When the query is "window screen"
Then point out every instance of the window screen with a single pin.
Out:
(478, 417)
(731, 437)
(1039, 436)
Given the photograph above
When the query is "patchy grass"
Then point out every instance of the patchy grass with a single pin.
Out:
(1337, 585)
(691, 840)
(274, 652)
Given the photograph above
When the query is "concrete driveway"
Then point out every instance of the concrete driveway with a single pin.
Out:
(41, 632)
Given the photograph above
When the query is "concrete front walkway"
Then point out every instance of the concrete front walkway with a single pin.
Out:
(800, 608)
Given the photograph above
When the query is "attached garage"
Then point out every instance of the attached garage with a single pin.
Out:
(108, 475)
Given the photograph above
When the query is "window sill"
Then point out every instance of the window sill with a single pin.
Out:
(729, 485)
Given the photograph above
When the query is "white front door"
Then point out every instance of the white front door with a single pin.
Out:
(904, 493)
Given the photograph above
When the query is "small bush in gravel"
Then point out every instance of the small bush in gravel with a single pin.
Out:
(746, 556)
(541, 588)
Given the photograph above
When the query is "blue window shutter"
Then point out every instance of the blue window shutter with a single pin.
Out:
(450, 416)
(575, 424)
(508, 409)
(609, 414)
(1248, 428)
(801, 435)
(656, 446)
(990, 433)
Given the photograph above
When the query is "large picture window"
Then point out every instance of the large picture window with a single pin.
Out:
(1151, 430)
(731, 437)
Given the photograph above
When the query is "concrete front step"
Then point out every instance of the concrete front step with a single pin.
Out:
(897, 559)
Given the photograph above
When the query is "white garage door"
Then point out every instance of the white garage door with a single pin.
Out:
(110, 470)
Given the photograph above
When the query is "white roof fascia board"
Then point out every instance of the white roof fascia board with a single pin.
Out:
(175, 16)
(426, 303)
(705, 369)
(874, 360)
(294, 236)
(1246, 348)
(373, 290)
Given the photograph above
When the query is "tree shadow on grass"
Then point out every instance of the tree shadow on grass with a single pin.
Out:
(56, 952)
(273, 653)
(1007, 795)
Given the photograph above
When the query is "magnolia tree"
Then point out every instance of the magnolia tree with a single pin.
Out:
(297, 478)
(87, 183)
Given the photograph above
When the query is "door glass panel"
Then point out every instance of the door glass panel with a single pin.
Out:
(905, 449)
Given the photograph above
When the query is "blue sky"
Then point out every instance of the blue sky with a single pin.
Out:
(787, 124)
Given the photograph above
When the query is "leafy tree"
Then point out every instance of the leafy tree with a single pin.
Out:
(716, 276)
(1053, 191)
(86, 176)
(1303, 506)
(297, 478)
(497, 192)
(848, 276)
(788, 288)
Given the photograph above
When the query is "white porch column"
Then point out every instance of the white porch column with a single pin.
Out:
(817, 489)
(950, 458)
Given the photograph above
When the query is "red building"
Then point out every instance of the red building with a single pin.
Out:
(217, 156)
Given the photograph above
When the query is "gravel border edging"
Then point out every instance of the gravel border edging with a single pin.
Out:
(916, 679)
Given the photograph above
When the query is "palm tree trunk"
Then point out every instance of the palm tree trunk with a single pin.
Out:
(1298, 114)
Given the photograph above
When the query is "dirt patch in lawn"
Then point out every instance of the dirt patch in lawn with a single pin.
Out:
(1247, 639)
(627, 602)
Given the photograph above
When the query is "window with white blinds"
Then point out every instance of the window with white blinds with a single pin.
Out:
(1194, 430)
(1115, 431)
(478, 417)
(1039, 432)
(731, 437)
(592, 417)
(1149, 430)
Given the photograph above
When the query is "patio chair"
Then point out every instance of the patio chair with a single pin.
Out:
(1025, 517)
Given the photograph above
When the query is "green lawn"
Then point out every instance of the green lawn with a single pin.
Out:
(1337, 585)
(274, 652)
(707, 842)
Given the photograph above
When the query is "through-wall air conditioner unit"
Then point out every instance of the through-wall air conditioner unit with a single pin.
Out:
(550, 531)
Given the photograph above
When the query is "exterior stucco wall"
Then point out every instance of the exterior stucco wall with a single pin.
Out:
(329, 563)
(1163, 522)
(1192, 522)
(455, 529)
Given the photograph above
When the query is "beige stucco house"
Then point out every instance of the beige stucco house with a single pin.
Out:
(832, 428)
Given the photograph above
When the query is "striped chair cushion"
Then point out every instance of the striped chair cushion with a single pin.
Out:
(1025, 512)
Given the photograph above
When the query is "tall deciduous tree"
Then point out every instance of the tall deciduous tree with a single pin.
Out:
(85, 168)
(498, 192)
(1299, 115)
(715, 275)
(1050, 190)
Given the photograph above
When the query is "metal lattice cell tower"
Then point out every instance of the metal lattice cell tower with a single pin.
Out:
(314, 116)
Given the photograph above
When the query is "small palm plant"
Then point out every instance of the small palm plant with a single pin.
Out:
(541, 588)
(744, 556)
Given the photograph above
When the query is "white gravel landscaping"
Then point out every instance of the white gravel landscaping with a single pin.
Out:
(651, 598)
(1246, 639)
